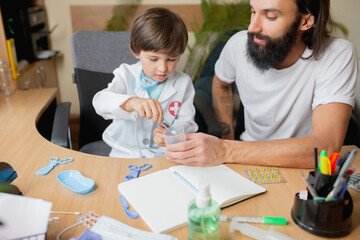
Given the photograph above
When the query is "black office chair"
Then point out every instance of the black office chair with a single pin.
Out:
(95, 56)
(205, 117)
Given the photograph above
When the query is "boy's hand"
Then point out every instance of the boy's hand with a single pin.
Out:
(158, 136)
(149, 108)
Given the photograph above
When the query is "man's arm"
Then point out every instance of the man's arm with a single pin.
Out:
(223, 106)
(329, 125)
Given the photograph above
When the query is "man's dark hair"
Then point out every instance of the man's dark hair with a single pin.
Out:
(159, 30)
(316, 38)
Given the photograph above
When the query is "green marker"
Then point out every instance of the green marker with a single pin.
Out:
(263, 220)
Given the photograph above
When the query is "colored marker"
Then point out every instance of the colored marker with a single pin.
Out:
(325, 165)
(337, 167)
(343, 190)
(333, 159)
(344, 158)
(323, 153)
(345, 167)
(335, 191)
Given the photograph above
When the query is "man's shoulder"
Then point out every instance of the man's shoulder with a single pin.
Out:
(240, 36)
(237, 42)
(340, 44)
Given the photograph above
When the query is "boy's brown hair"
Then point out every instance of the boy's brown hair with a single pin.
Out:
(159, 30)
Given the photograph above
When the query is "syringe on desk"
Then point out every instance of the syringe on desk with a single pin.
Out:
(250, 219)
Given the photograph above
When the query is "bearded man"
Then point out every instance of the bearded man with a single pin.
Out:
(296, 83)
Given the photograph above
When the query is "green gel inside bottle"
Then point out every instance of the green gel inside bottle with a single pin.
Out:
(203, 216)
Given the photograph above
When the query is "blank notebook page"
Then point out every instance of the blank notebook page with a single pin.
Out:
(144, 193)
(162, 199)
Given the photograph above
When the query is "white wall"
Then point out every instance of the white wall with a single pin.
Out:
(58, 12)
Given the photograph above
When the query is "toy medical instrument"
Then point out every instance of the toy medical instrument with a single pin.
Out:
(258, 233)
(75, 181)
(51, 219)
(61, 212)
(173, 131)
(125, 205)
(264, 220)
(109, 228)
(136, 170)
(134, 174)
(146, 82)
(88, 220)
(54, 161)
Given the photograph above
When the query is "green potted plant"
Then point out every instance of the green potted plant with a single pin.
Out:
(220, 18)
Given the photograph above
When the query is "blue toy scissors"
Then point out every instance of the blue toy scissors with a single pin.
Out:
(136, 170)
(54, 161)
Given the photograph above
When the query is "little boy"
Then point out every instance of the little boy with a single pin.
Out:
(143, 94)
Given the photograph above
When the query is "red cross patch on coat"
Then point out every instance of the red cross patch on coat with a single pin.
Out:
(174, 108)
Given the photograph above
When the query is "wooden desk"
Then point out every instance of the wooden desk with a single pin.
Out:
(27, 151)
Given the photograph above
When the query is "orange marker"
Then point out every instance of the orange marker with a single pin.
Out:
(333, 159)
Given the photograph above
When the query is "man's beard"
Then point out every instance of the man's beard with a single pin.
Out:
(274, 52)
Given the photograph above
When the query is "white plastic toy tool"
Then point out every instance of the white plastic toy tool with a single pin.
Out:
(258, 233)
(54, 161)
(172, 130)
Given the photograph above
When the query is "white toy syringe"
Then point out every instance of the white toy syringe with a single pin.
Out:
(258, 233)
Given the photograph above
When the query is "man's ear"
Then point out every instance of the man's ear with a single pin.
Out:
(133, 53)
(307, 22)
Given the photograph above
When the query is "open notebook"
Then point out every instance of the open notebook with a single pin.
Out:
(162, 198)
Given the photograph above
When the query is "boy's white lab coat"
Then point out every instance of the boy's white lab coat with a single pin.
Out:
(128, 132)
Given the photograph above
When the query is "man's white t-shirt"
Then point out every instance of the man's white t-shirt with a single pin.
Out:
(279, 103)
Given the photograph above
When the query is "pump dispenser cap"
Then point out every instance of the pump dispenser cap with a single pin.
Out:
(203, 197)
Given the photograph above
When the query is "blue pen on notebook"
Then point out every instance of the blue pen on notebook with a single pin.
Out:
(173, 131)
(185, 181)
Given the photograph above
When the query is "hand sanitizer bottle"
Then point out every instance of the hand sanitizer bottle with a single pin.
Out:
(203, 215)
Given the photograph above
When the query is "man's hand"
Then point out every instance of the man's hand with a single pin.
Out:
(148, 108)
(199, 150)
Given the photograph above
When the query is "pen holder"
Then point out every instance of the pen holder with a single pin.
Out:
(320, 217)
(322, 183)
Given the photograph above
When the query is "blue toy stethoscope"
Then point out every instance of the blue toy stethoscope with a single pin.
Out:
(145, 84)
